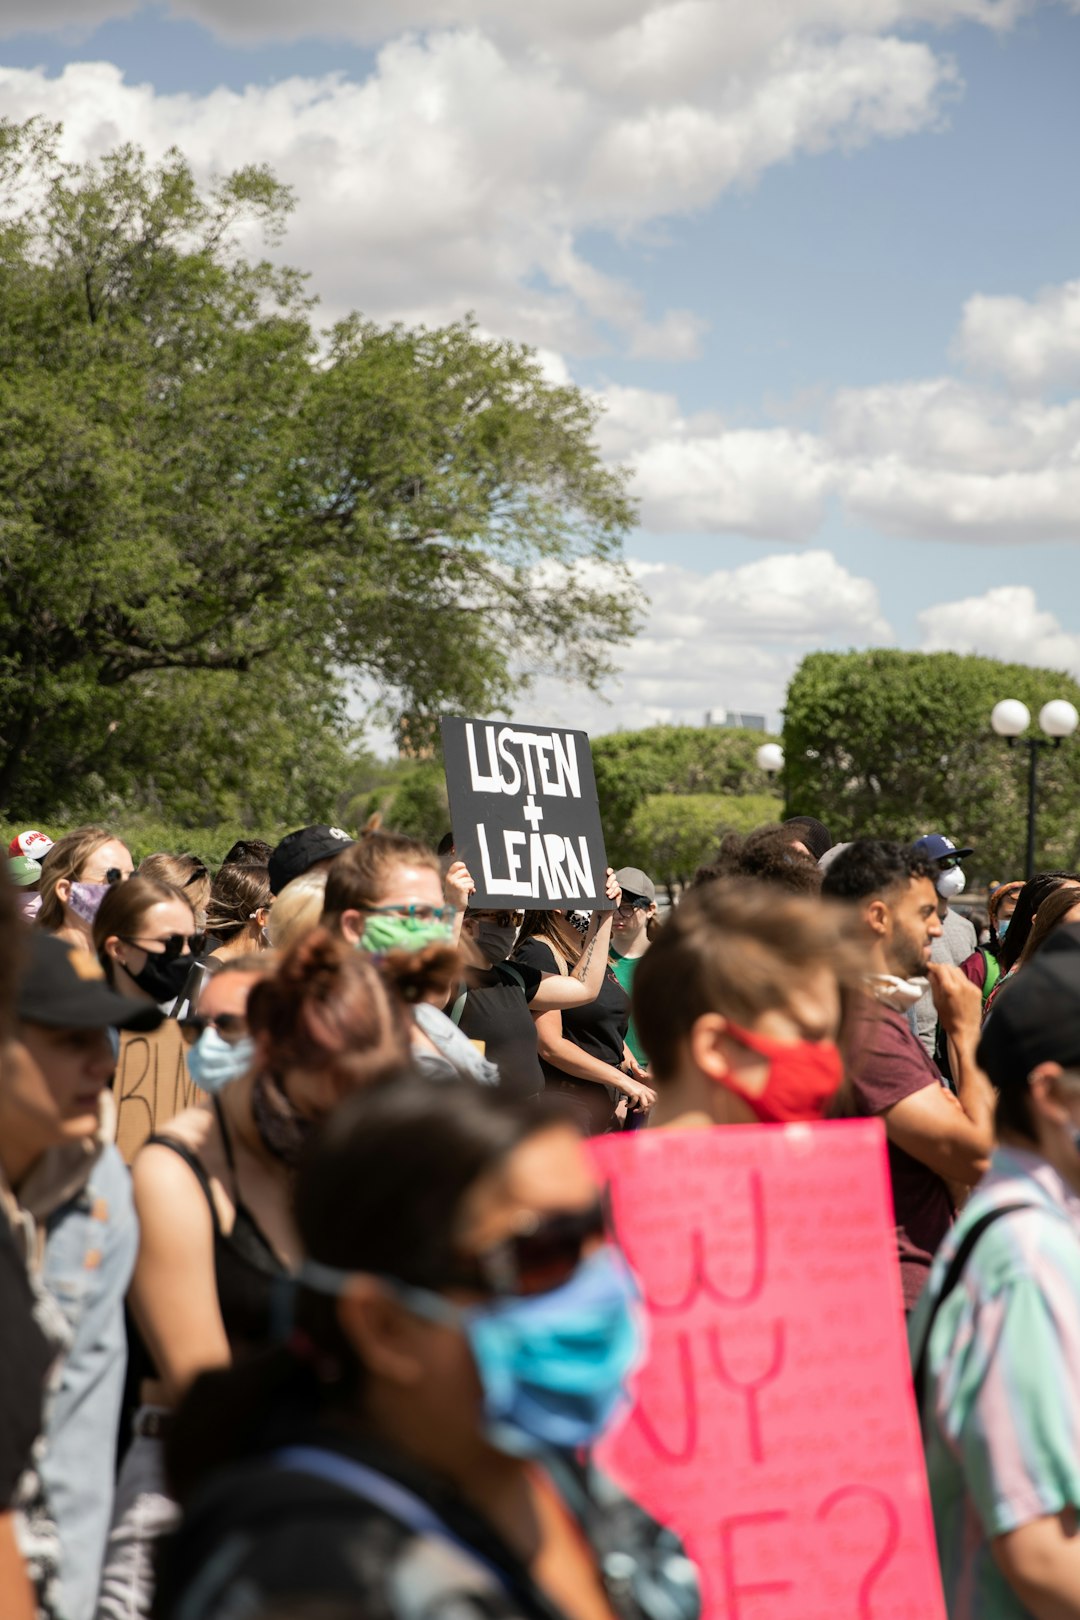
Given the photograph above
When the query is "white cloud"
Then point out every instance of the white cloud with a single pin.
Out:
(1006, 623)
(1034, 344)
(729, 639)
(463, 170)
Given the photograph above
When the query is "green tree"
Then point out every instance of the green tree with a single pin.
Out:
(893, 744)
(206, 502)
(632, 766)
(671, 834)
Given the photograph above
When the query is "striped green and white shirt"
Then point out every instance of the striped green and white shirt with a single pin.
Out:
(1001, 1413)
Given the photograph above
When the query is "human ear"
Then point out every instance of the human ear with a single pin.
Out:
(1046, 1096)
(112, 947)
(352, 927)
(62, 890)
(707, 1046)
(877, 916)
(381, 1332)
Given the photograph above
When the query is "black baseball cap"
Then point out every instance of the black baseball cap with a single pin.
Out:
(1036, 1016)
(298, 852)
(66, 989)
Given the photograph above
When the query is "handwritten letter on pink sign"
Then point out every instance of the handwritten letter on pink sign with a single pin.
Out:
(774, 1426)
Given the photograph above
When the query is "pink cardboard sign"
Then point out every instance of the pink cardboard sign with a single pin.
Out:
(774, 1424)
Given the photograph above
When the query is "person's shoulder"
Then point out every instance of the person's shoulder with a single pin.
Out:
(535, 953)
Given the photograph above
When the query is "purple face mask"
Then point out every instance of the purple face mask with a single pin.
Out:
(85, 898)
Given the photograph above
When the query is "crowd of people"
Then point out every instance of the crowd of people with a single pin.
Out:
(340, 1338)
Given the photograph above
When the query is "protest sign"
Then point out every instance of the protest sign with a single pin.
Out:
(774, 1425)
(525, 815)
(152, 1084)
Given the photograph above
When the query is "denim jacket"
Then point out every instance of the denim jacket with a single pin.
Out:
(90, 1239)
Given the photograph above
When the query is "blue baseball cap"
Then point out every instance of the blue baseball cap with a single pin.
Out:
(936, 847)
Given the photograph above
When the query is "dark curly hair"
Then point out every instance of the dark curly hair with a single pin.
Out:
(765, 855)
(873, 866)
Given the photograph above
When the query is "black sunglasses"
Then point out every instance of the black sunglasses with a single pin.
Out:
(232, 1027)
(171, 947)
(543, 1255)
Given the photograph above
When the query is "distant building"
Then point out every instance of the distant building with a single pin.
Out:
(729, 718)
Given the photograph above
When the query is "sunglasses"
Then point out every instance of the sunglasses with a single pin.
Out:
(439, 914)
(171, 947)
(232, 1027)
(501, 919)
(638, 903)
(542, 1255)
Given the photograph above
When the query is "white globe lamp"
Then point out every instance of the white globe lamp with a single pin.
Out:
(1058, 718)
(1010, 717)
(770, 758)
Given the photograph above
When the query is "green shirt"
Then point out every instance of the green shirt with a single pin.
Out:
(624, 968)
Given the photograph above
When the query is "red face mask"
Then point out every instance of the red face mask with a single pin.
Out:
(802, 1077)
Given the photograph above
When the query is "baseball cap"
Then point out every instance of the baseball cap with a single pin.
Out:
(34, 844)
(23, 870)
(1036, 1016)
(632, 880)
(298, 851)
(935, 846)
(66, 989)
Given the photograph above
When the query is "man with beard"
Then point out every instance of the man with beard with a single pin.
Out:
(939, 1139)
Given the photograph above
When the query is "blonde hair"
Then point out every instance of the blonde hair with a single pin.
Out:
(186, 873)
(66, 859)
(296, 910)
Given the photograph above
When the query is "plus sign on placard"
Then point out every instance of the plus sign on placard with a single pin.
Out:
(532, 812)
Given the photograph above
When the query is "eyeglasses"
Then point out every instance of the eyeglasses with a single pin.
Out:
(638, 903)
(232, 1027)
(171, 947)
(440, 914)
(543, 1254)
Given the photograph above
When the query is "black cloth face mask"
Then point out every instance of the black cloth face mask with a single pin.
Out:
(163, 977)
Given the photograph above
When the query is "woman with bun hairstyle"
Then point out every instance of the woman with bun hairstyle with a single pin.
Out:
(213, 1193)
(465, 1331)
(76, 875)
(386, 895)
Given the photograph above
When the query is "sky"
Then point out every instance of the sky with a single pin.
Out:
(819, 260)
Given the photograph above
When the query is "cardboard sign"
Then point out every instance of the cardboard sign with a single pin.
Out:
(525, 815)
(774, 1426)
(152, 1084)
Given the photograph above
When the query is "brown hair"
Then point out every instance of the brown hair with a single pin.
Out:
(1049, 918)
(556, 931)
(767, 855)
(237, 893)
(185, 872)
(123, 909)
(359, 874)
(328, 1009)
(66, 859)
(730, 948)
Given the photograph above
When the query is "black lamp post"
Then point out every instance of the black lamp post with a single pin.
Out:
(1011, 719)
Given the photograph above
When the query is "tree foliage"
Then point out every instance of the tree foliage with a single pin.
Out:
(671, 834)
(894, 744)
(213, 518)
(676, 761)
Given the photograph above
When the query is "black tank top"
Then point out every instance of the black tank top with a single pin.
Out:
(249, 1275)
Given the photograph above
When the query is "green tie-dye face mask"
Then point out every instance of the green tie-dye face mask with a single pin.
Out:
(387, 931)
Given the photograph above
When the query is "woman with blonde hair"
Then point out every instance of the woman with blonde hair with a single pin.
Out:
(76, 875)
(186, 873)
(296, 910)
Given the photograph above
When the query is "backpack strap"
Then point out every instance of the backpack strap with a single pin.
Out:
(515, 973)
(949, 1282)
(458, 1009)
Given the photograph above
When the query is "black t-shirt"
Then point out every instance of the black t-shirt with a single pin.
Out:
(599, 1027)
(25, 1357)
(497, 1012)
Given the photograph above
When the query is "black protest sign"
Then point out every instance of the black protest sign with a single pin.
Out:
(525, 815)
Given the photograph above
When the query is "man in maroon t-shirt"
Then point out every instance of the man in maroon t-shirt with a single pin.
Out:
(936, 1137)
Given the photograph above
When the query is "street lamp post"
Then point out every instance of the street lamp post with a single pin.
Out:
(770, 759)
(1011, 719)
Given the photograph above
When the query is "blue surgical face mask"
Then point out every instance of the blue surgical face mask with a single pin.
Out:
(553, 1367)
(1003, 928)
(214, 1063)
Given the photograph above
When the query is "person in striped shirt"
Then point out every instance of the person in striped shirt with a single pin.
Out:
(996, 1337)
